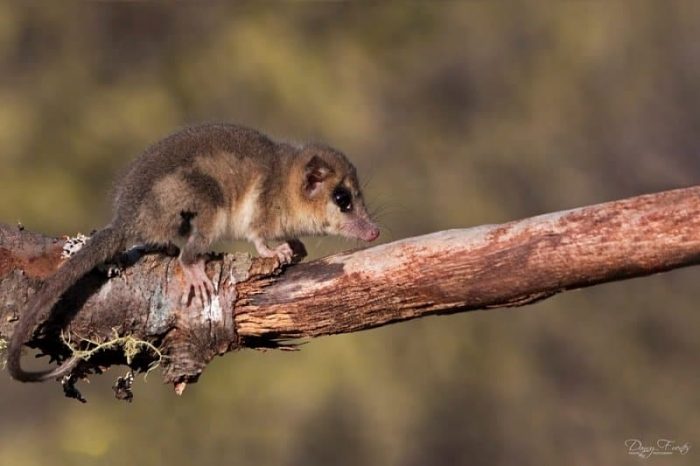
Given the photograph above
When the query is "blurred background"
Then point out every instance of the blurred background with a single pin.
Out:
(457, 114)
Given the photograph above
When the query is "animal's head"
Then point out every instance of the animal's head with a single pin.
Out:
(332, 193)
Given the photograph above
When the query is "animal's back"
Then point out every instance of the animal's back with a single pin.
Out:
(180, 150)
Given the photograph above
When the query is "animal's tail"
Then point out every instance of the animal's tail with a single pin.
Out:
(102, 246)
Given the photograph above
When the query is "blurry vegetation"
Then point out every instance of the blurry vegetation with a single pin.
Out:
(457, 114)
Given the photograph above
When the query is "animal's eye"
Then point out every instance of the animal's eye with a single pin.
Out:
(342, 198)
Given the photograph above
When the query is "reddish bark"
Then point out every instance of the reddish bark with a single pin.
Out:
(260, 305)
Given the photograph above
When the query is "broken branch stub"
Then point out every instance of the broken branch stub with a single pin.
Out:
(142, 306)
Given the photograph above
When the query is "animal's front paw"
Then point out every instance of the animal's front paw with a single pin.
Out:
(284, 253)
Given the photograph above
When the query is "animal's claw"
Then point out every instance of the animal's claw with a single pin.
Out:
(198, 285)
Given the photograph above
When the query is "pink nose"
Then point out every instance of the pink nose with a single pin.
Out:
(372, 233)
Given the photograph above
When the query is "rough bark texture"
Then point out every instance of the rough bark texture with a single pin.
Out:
(261, 305)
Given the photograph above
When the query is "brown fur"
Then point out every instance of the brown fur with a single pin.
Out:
(206, 183)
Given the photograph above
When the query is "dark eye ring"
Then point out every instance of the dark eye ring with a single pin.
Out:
(342, 198)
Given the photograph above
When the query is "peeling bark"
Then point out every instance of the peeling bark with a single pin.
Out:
(261, 305)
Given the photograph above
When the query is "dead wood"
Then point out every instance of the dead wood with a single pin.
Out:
(260, 304)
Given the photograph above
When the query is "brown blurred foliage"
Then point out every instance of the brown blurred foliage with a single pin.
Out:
(457, 114)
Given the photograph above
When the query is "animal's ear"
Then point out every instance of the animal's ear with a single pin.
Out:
(316, 172)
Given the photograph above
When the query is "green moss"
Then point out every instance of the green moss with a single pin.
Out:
(129, 345)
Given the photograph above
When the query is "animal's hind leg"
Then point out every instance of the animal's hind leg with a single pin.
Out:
(193, 261)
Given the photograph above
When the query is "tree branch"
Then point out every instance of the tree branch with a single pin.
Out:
(261, 305)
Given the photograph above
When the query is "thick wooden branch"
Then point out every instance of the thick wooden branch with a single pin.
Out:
(261, 305)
